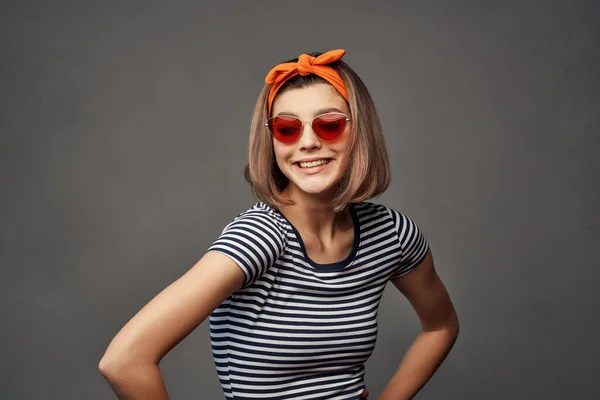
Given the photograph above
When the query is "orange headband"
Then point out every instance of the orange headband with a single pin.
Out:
(306, 65)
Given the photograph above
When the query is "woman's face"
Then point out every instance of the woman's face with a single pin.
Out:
(306, 103)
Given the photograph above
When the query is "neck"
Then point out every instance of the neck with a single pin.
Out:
(314, 215)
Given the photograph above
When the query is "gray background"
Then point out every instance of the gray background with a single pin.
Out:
(123, 135)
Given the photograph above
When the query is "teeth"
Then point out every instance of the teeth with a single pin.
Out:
(313, 163)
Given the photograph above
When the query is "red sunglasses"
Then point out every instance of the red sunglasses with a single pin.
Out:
(327, 127)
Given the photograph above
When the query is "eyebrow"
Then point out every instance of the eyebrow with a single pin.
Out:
(317, 112)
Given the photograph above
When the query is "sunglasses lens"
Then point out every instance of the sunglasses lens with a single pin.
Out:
(329, 126)
(285, 129)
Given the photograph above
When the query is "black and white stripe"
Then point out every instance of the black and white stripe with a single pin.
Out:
(298, 329)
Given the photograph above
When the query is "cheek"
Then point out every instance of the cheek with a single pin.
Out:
(281, 151)
(276, 151)
(342, 148)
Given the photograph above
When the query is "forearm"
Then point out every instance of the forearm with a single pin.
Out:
(138, 383)
(420, 362)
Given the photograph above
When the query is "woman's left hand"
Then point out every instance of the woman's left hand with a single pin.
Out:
(364, 395)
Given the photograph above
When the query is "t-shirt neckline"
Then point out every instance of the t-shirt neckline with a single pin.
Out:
(334, 266)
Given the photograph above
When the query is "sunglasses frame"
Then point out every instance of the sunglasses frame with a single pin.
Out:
(311, 122)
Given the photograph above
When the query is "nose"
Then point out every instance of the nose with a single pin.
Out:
(308, 139)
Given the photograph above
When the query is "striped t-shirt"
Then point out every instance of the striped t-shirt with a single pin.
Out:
(298, 329)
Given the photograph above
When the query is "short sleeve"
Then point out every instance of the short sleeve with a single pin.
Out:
(413, 245)
(253, 241)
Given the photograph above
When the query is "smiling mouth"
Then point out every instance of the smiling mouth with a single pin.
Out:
(311, 164)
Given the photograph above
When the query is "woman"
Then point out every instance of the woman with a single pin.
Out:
(292, 285)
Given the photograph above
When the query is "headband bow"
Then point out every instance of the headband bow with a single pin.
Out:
(306, 65)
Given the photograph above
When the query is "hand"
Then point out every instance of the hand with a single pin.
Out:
(364, 395)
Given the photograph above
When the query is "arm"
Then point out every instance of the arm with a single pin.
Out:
(428, 296)
(130, 363)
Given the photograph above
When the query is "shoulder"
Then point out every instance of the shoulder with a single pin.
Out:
(260, 218)
(404, 226)
(368, 210)
(410, 239)
(254, 240)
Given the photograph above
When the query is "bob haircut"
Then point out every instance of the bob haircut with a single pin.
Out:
(368, 173)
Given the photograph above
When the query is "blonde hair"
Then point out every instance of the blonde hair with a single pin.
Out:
(368, 172)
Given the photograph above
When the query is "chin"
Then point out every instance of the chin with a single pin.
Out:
(313, 185)
(316, 188)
